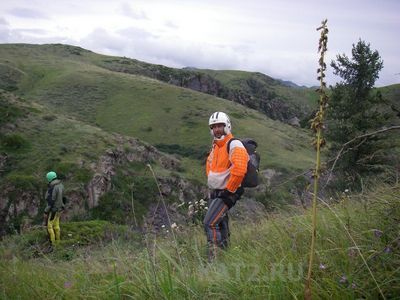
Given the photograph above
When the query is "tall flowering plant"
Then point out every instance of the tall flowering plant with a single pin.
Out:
(317, 125)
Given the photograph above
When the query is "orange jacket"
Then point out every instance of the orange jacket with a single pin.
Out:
(226, 170)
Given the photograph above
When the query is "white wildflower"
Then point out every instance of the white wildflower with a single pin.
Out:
(191, 210)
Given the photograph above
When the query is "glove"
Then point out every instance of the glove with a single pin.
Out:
(228, 198)
(239, 192)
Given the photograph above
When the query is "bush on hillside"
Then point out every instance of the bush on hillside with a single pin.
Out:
(23, 182)
(15, 142)
(128, 200)
(74, 235)
(8, 112)
(49, 117)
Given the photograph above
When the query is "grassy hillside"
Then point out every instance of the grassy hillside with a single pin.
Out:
(70, 81)
(64, 111)
(358, 255)
(35, 139)
(39, 139)
(252, 89)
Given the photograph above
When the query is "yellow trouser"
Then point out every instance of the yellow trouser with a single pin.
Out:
(53, 226)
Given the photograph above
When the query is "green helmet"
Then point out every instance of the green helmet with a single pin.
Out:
(51, 175)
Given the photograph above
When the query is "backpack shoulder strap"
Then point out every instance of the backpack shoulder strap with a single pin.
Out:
(229, 144)
(49, 198)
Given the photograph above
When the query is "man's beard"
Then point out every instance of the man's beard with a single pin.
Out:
(220, 138)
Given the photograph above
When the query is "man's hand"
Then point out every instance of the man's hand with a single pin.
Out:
(228, 197)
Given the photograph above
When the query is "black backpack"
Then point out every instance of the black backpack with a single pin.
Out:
(49, 198)
(253, 165)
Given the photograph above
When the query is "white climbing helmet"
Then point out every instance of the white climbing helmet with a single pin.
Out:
(218, 118)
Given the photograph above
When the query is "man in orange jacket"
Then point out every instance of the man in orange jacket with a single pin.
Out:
(225, 172)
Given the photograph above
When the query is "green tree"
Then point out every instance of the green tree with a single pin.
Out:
(356, 108)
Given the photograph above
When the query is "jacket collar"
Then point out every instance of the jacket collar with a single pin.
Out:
(54, 182)
(221, 143)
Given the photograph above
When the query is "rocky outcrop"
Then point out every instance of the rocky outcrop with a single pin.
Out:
(252, 93)
(132, 150)
(17, 207)
(294, 122)
(16, 202)
(204, 84)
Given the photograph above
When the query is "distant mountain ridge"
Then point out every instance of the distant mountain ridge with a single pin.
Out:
(278, 99)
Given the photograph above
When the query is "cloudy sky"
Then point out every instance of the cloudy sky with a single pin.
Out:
(277, 38)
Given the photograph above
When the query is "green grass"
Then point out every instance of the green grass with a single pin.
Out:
(186, 123)
(66, 110)
(80, 86)
(266, 260)
(35, 140)
(118, 95)
(74, 237)
(43, 141)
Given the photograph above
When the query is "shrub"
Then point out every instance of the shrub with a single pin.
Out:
(148, 129)
(83, 175)
(14, 142)
(21, 181)
(9, 112)
(49, 117)
(128, 199)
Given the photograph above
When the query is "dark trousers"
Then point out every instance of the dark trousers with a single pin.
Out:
(216, 223)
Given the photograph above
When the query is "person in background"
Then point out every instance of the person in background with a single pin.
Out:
(225, 172)
(55, 205)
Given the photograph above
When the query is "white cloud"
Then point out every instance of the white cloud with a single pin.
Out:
(277, 38)
(23, 12)
(5, 34)
(127, 10)
(3, 22)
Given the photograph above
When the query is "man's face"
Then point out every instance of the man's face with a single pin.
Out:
(218, 129)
